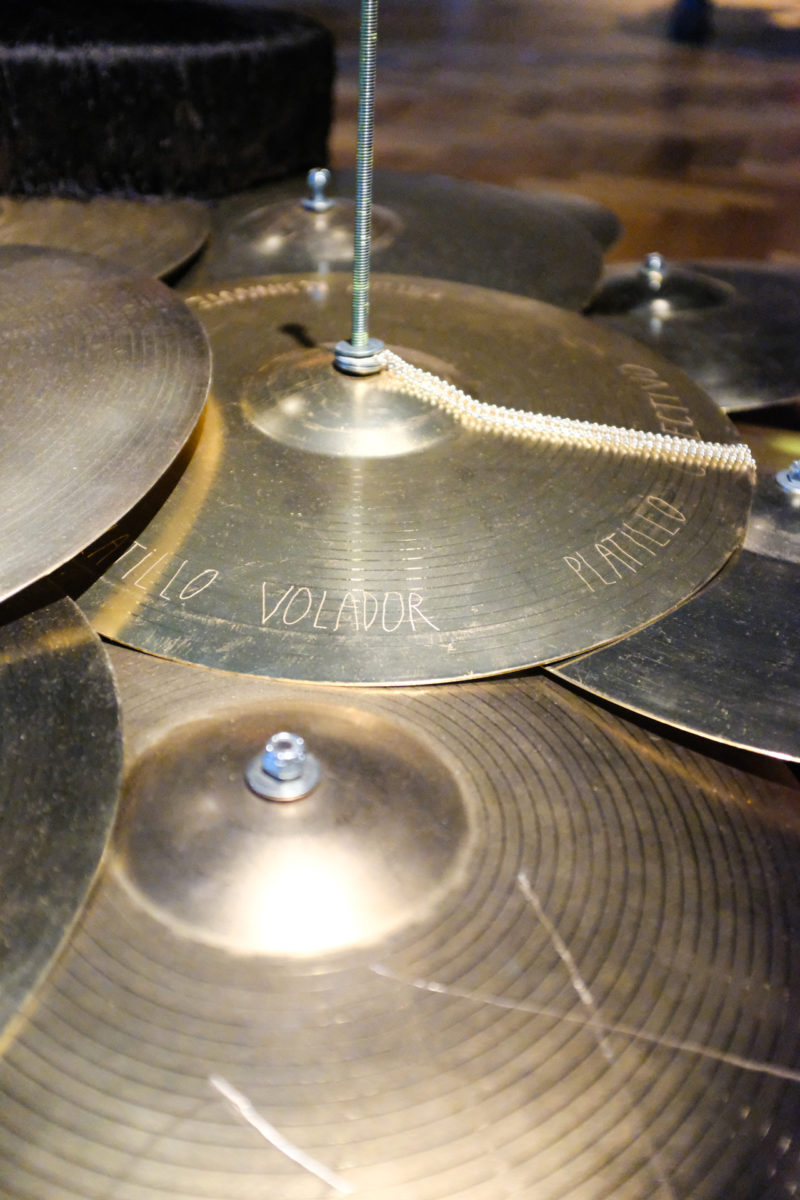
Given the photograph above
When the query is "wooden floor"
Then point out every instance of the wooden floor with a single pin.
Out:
(697, 150)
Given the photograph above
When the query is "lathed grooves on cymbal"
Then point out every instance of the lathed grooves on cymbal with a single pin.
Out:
(601, 1008)
(431, 551)
(151, 236)
(60, 768)
(104, 377)
(731, 326)
(725, 666)
(538, 245)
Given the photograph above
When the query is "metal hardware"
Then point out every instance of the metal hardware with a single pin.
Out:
(318, 179)
(284, 770)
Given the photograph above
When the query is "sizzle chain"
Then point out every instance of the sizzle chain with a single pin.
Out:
(518, 423)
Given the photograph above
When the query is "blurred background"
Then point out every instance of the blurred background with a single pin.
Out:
(696, 147)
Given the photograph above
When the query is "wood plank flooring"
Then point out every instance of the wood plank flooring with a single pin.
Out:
(697, 150)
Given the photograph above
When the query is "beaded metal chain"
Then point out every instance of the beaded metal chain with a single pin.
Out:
(516, 422)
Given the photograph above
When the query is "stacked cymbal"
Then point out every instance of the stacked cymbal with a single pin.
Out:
(509, 944)
(105, 376)
(486, 939)
(730, 325)
(343, 530)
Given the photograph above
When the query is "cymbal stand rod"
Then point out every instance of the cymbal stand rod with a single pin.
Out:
(364, 172)
(359, 356)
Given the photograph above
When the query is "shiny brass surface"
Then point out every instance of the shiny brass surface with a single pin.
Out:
(543, 246)
(150, 236)
(727, 664)
(372, 846)
(104, 378)
(731, 326)
(334, 529)
(60, 768)
(599, 1005)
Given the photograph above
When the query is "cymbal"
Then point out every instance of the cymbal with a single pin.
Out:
(603, 224)
(600, 1000)
(104, 377)
(726, 665)
(381, 828)
(336, 529)
(537, 245)
(731, 326)
(151, 236)
(60, 768)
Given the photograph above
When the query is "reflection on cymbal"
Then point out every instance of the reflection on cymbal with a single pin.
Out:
(371, 845)
(538, 245)
(60, 766)
(599, 1003)
(150, 236)
(726, 665)
(335, 529)
(731, 326)
(104, 378)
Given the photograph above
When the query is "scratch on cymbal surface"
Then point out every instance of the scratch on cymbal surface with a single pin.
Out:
(242, 1105)
(595, 1023)
(664, 1042)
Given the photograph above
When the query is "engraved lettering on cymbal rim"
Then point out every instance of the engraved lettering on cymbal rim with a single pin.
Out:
(357, 610)
(651, 527)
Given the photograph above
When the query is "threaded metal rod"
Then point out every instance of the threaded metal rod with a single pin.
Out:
(364, 167)
(359, 356)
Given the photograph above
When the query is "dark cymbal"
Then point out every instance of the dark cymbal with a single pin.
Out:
(726, 665)
(60, 767)
(150, 236)
(533, 244)
(342, 530)
(598, 1002)
(604, 225)
(731, 326)
(104, 377)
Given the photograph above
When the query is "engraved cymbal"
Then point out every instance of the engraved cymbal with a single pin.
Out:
(600, 1005)
(538, 245)
(727, 664)
(731, 326)
(104, 377)
(150, 235)
(342, 530)
(60, 768)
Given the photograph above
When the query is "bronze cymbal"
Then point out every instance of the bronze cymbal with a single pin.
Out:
(603, 224)
(731, 326)
(342, 530)
(60, 768)
(536, 244)
(378, 835)
(727, 664)
(104, 377)
(599, 1002)
(149, 235)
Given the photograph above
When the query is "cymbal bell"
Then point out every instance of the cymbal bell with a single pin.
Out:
(345, 530)
(372, 843)
(731, 326)
(611, 970)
